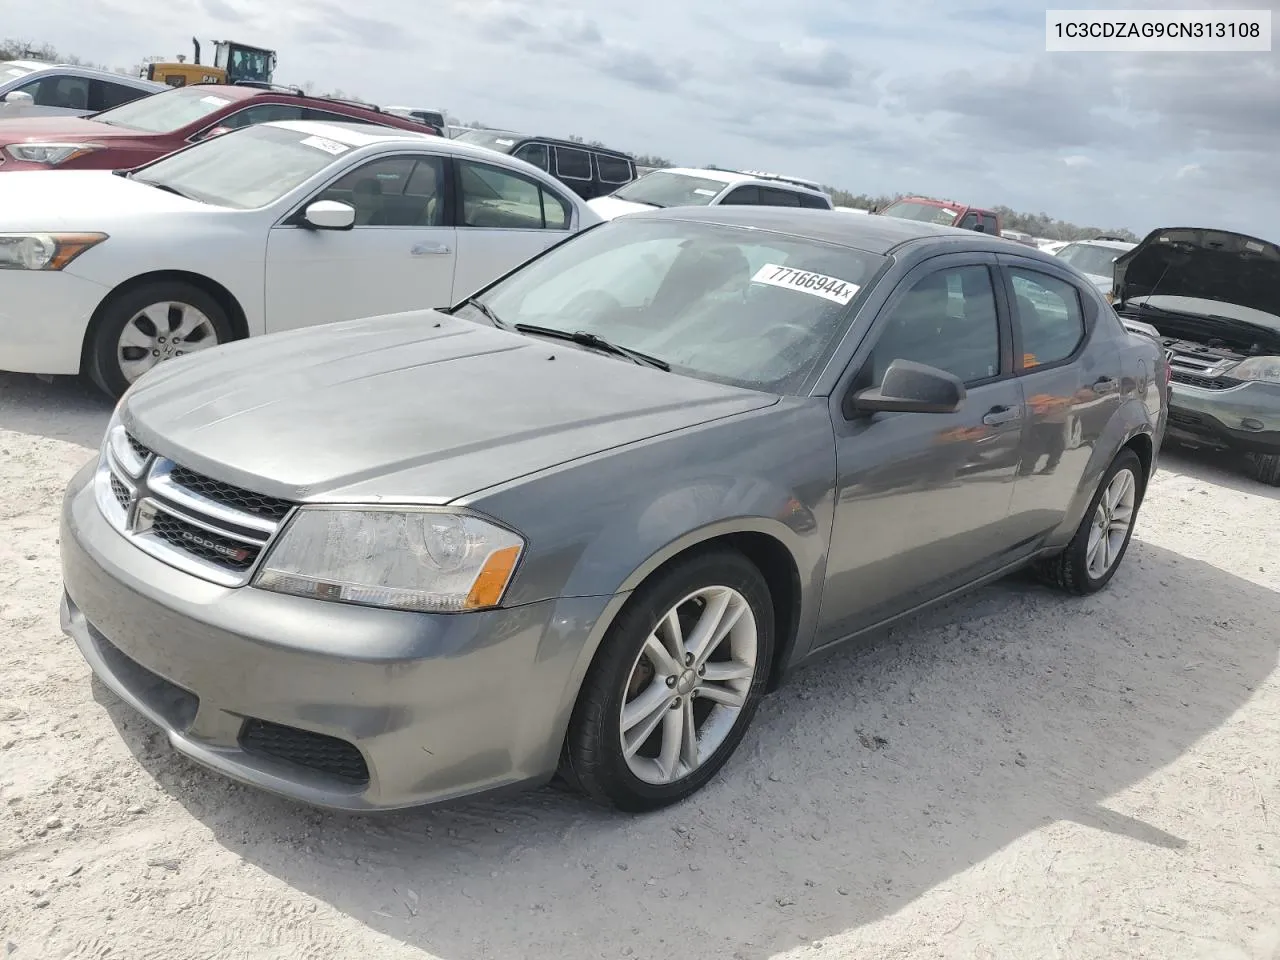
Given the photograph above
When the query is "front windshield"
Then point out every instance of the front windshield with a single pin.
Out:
(12, 69)
(499, 140)
(924, 212)
(1087, 258)
(723, 303)
(244, 169)
(663, 189)
(168, 111)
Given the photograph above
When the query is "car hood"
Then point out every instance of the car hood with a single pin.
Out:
(610, 207)
(417, 407)
(54, 129)
(80, 200)
(1202, 264)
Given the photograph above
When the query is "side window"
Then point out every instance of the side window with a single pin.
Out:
(262, 113)
(103, 95)
(968, 222)
(743, 196)
(325, 116)
(947, 320)
(402, 191)
(535, 153)
(989, 223)
(68, 93)
(814, 202)
(771, 197)
(1049, 314)
(573, 164)
(613, 169)
(496, 198)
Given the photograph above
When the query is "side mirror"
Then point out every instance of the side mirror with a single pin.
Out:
(19, 98)
(329, 215)
(980, 228)
(911, 387)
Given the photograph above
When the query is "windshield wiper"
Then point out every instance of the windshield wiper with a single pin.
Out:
(583, 338)
(487, 311)
(165, 187)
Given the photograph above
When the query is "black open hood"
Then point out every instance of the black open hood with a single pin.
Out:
(1201, 263)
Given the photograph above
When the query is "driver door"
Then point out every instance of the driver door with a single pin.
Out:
(923, 499)
(399, 256)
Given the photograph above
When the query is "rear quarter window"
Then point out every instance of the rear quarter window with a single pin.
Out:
(613, 169)
(573, 164)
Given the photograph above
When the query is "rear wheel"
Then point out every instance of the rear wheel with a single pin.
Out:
(1092, 557)
(151, 324)
(674, 685)
(1266, 467)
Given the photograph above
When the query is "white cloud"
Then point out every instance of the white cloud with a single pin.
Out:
(1079, 160)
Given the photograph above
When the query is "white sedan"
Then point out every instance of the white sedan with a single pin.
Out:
(268, 228)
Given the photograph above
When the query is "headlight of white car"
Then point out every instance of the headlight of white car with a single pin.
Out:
(50, 153)
(1257, 368)
(425, 560)
(44, 251)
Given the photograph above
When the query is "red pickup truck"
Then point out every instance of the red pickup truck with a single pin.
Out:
(153, 126)
(948, 213)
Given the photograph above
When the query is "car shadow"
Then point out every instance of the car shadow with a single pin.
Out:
(1222, 469)
(64, 408)
(863, 784)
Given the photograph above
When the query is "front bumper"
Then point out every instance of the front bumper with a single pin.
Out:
(332, 704)
(1244, 418)
(43, 319)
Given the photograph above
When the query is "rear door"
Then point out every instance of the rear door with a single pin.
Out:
(572, 167)
(399, 256)
(1070, 393)
(503, 219)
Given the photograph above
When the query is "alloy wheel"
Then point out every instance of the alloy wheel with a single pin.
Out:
(160, 332)
(1111, 522)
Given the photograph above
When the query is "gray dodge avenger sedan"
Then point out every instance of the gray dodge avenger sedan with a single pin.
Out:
(582, 522)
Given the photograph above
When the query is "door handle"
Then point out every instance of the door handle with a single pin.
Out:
(1103, 385)
(423, 249)
(998, 415)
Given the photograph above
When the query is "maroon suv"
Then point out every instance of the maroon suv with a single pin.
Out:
(146, 129)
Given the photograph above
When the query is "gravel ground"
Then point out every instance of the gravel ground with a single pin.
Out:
(1016, 776)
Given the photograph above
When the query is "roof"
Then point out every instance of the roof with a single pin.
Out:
(1108, 244)
(556, 141)
(357, 134)
(879, 235)
(32, 66)
(743, 176)
(955, 204)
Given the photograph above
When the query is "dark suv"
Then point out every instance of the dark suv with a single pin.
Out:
(147, 129)
(589, 171)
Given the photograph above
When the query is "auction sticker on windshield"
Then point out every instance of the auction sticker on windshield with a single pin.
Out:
(328, 146)
(817, 284)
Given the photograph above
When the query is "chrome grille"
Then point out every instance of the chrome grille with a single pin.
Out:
(1207, 383)
(203, 526)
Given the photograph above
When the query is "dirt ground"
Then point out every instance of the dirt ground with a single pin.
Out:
(1017, 776)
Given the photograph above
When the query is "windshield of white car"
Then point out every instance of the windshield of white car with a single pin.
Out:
(719, 302)
(499, 140)
(1097, 261)
(11, 69)
(167, 111)
(663, 189)
(923, 212)
(244, 169)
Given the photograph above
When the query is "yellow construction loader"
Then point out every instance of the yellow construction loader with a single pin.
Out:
(232, 63)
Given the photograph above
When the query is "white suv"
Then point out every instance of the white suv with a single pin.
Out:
(33, 88)
(685, 187)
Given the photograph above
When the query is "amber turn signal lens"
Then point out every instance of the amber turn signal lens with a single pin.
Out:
(493, 579)
(71, 245)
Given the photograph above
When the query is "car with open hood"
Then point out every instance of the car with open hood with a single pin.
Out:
(585, 519)
(1212, 298)
(270, 227)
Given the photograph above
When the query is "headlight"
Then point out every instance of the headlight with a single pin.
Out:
(1257, 368)
(50, 153)
(44, 251)
(428, 560)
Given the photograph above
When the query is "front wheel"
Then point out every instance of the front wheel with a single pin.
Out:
(1266, 467)
(148, 325)
(674, 685)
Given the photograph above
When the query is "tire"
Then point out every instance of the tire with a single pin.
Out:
(1070, 570)
(102, 357)
(593, 757)
(1266, 468)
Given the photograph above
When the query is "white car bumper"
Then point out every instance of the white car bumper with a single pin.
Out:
(43, 318)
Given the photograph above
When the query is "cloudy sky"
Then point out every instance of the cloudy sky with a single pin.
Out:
(945, 97)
